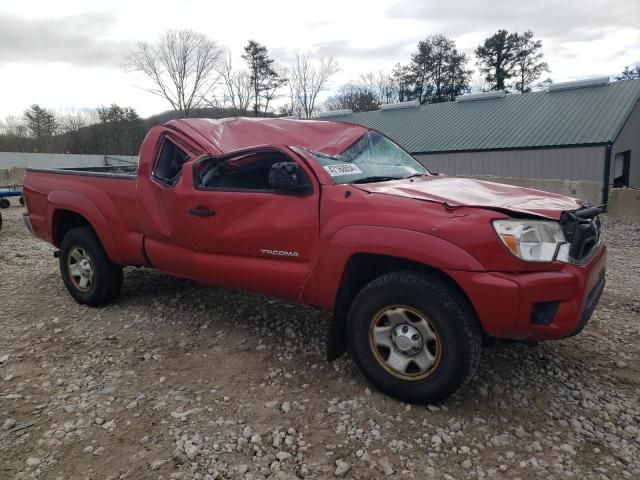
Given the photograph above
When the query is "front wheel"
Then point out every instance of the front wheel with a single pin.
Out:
(414, 336)
(88, 273)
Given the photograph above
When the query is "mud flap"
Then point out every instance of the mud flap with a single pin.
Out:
(337, 338)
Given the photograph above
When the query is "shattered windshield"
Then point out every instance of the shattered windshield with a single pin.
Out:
(373, 158)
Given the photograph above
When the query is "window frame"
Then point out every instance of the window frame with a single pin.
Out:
(183, 147)
(626, 169)
(240, 153)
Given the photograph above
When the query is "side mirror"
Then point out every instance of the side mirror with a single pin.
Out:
(287, 177)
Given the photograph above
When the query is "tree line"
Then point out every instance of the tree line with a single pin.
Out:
(196, 77)
(107, 130)
(438, 72)
(190, 70)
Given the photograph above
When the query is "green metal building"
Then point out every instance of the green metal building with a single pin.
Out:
(581, 135)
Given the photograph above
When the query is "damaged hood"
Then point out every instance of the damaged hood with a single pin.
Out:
(465, 192)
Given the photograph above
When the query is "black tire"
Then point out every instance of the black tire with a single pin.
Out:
(5, 203)
(21, 200)
(455, 349)
(106, 279)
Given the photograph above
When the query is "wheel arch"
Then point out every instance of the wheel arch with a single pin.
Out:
(66, 215)
(63, 221)
(359, 270)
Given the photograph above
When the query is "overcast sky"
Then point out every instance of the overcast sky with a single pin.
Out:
(67, 54)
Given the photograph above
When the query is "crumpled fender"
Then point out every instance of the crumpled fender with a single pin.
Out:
(412, 245)
(74, 202)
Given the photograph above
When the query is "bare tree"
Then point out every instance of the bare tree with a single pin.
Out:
(354, 96)
(14, 126)
(479, 84)
(73, 129)
(14, 133)
(73, 120)
(307, 80)
(383, 84)
(238, 91)
(182, 66)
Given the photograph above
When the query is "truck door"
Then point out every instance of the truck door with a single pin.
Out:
(162, 211)
(246, 234)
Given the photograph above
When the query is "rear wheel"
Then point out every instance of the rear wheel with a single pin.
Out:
(414, 337)
(89, 275)
(5, 203)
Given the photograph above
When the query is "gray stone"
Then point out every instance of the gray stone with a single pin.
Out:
(385, 466)
(342, 468)
(8, 424)
(157, 464)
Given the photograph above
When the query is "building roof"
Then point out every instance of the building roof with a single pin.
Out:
(572, 116)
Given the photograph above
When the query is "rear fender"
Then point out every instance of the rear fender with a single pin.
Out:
(80, 204)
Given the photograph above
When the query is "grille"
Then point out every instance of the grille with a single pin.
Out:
(583, 234)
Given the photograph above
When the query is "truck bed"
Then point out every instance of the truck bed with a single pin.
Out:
(105, 196)
(106, 171)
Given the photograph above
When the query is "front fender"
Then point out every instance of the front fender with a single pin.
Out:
(411, 245)
(80, 204)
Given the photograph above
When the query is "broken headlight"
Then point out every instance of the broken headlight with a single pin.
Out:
(533, 240)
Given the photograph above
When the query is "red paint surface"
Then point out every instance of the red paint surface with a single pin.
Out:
(440, 222)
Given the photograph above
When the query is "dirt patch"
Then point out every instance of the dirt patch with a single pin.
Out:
(176, 380)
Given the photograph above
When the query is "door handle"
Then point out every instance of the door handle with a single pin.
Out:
(201, 212)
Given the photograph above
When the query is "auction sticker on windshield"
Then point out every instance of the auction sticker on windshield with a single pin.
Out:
(340, 169)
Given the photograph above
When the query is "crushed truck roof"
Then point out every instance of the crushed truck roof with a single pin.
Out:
(237, 133)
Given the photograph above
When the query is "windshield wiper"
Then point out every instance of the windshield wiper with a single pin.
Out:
(375, 179)
(414, 175)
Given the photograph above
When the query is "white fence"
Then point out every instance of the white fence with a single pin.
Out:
(10, 160)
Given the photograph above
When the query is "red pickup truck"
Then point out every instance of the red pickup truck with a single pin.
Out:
(416, 268)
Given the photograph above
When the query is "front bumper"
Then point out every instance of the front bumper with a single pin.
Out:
(537, 305)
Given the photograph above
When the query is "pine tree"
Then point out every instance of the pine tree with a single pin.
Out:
(265, 79)
(497, 58)
(42, 125)
(438, 70)
(529, 64)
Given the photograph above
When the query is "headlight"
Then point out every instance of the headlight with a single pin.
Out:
(533, 240)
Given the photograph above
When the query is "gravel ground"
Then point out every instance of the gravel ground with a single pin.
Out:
(179, 381)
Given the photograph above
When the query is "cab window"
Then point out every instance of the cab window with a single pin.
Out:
(169, 164)
(248, 172)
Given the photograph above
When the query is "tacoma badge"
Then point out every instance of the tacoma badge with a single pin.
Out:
(279, 253)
